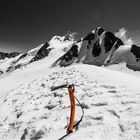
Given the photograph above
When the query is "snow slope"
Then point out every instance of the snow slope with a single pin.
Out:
(111, 102)
(30, 54)
(9, 64)
(4, 64)
(28, 72)
(56, 47)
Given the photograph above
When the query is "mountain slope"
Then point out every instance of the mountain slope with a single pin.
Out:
(111, 105)
(56, 47)
(129, 54)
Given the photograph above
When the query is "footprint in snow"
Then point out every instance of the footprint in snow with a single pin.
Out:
(108, 87)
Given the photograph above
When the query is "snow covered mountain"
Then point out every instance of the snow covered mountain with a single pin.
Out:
(4, 57)
(98, 48)
(29, 110)
(57, 46)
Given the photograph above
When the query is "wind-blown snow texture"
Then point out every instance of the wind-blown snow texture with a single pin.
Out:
(111, 99)
(111, 104)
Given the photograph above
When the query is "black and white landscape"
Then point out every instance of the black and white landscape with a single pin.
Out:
(93, 45)
(105, 72)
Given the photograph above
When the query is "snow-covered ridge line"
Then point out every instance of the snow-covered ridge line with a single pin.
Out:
(56, 45)
(99, 47)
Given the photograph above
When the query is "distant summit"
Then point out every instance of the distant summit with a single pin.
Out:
(101, 47)
(96, 48)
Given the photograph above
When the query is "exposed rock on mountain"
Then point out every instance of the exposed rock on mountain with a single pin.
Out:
(96, 48)
(69, 57)
(8, 55)
(98, 45)
(42, 52)
(1, 72)
(136, 51)
(22, 56)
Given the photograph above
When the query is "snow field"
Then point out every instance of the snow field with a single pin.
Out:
(111, 105)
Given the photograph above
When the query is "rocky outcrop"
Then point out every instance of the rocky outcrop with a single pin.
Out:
(135, 50)
(68, 58)
(43, 52)
(8, 55)
(1, 72)
(98, 47)
(22, 56)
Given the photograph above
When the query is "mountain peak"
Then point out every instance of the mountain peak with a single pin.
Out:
(99, 47)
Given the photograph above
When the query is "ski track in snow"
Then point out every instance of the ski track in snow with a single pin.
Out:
(32, 111)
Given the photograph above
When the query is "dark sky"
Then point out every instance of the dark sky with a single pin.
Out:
(25, 24)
